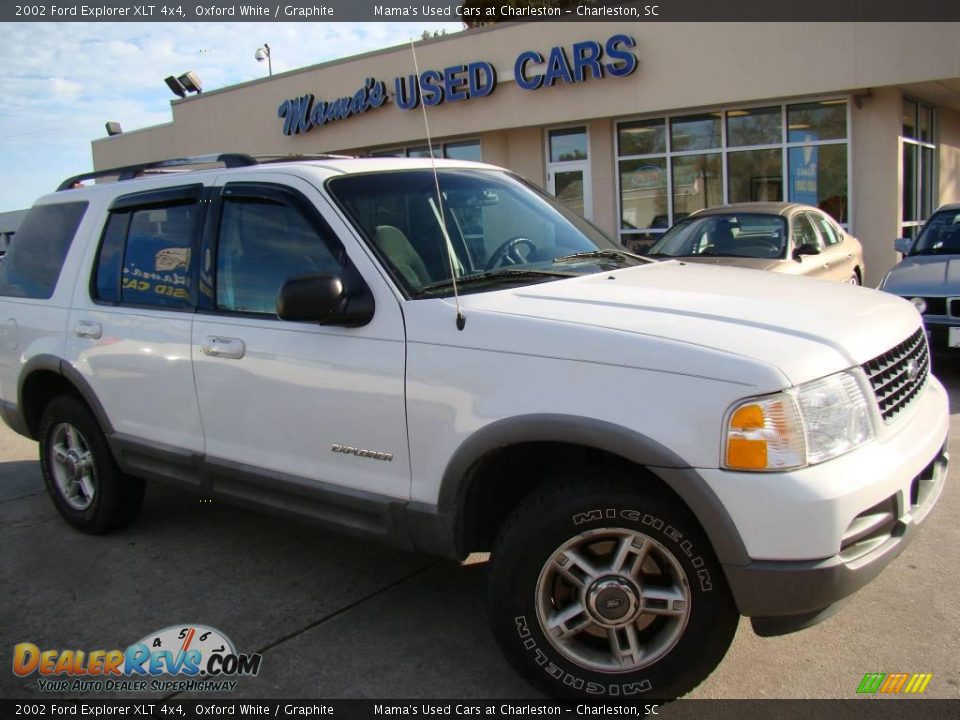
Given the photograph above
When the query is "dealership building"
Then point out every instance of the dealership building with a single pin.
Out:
(632, 124)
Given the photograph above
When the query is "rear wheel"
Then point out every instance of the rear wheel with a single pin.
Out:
(81, 476)
(600, 589)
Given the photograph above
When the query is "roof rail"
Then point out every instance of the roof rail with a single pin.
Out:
(128, 172)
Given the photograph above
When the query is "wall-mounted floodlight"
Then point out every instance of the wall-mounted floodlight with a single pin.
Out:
(113, 128)
(191, 82)
(176, 86)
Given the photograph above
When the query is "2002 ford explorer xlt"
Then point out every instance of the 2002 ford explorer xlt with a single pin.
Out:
(648, 450)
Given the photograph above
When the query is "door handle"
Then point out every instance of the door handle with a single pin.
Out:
(225, 347)
(88, 329)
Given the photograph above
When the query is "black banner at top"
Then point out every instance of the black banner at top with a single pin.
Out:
(478, 12)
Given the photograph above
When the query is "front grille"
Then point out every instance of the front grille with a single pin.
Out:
(954, 307)
(890, 375)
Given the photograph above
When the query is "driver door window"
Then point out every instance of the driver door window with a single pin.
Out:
(262, 244)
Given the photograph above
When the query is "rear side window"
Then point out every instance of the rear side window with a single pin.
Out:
(32, 265)
(146, 256)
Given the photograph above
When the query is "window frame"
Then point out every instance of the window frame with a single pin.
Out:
(916, 224)
(128, 204)
(724, 149)
(270, 192)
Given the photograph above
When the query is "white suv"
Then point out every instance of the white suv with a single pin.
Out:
(648, 449)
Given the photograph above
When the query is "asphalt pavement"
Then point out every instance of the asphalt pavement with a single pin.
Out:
(339, 618)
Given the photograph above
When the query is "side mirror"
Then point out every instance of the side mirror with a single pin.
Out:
(902, 245)
(327, 299)
(806, 249)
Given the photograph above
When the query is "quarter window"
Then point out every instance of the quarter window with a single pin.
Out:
(262, 244)
(32, 265)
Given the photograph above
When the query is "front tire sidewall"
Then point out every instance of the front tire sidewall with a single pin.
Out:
(710, 626)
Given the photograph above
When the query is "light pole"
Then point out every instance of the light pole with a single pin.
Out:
(262, 54)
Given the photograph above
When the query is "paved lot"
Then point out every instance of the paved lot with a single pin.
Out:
(337, 618)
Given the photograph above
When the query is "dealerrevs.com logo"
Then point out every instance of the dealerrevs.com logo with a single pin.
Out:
(200, 658)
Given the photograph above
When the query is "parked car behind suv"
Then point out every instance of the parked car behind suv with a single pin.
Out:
(649, 450)
(775, 236)
(929, 276)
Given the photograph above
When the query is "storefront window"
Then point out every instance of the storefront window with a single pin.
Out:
(463, 151)
(755, 175)
(460, 150)
(643, 194)
(918, 159)
(695, 132)
(818, 176)
(697, 183)
(642, 137)
(824, 120)
(757, 126)
(772, 153)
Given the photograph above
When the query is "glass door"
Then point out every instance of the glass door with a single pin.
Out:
(568, 169)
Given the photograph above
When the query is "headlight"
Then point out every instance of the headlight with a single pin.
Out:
(801, 426)
(920, 304)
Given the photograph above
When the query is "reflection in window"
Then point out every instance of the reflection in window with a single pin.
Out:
(262, 245)
(824, 120)
(756, 126)
(817, 175)
(463, 151)
(568, 144)
(642, 137)
(695, 132)
(643, 194)
(755, 175)
(697, 182)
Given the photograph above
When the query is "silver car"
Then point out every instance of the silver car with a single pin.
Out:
(780, 237)
(929, 277)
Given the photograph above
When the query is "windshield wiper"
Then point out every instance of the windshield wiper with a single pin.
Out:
(603, 253)
(495, 276)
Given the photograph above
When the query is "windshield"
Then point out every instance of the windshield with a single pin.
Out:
(940, 236)
(746, 236)
(498, 229)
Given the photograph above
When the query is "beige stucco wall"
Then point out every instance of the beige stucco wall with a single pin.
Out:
(948, 130)
(714, 64)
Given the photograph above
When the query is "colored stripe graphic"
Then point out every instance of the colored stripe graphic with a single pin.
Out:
(894, 683)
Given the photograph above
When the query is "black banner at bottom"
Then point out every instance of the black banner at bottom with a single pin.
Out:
(854, 709)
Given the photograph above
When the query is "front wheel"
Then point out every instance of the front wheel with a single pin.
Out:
(601, 589)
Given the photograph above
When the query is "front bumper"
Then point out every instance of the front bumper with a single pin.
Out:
(814, 536)
(783, 597)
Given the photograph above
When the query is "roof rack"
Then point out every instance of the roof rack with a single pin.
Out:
(128, 172)
(229, 160)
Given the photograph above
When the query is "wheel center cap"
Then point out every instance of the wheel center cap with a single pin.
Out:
(72, 464)
(612, 601)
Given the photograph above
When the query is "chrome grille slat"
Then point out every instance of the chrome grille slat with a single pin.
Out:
(889, 376)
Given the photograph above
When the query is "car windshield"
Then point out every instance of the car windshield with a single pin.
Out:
(940, 236)
(745, 236)
(499, 230)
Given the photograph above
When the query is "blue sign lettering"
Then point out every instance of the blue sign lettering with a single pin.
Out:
(531, 71)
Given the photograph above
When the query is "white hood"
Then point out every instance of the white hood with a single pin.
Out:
(803, 328)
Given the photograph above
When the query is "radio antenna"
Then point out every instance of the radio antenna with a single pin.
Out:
(439, 214)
